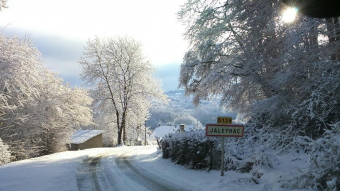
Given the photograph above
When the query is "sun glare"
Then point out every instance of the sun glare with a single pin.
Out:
(289, 14)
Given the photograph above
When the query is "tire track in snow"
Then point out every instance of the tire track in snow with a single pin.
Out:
(146, 180)
(94, 174)
(90, 176)
(99, 173)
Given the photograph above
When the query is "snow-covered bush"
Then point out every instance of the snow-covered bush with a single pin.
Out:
(5, 154)
(310, 126)
(192, 149)
(324, 170)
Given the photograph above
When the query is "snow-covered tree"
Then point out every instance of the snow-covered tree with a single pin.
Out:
(161, 115)
(180, 105)
(227, 57)
(283, 77)
(21, 66)
(3, 4)
(244, 52)
(187, 119)
(59, 107)
(123, 81)
(5, 154)
(37, 111)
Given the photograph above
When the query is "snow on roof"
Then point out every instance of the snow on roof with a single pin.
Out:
(164, 130)
(81, 136)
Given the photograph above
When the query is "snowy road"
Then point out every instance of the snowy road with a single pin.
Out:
(87, 174)
(124, 168)
(102, 173)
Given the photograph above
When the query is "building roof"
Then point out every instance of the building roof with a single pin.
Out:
(81, 136)
(164, 130)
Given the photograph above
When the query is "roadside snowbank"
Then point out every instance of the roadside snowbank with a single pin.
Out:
(150, 160)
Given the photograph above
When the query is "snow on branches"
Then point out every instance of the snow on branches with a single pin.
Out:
(37, 111)
(284, 77)
(123, 82)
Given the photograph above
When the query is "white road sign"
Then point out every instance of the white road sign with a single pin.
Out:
(227, 130)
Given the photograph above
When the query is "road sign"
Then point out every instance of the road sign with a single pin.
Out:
(224, 130)
(229, 130)
(224, 120)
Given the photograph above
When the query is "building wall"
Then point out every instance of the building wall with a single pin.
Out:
(94, 142)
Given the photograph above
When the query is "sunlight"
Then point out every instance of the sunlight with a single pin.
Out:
(289, 14)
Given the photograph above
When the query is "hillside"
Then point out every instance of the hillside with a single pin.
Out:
(181, 109)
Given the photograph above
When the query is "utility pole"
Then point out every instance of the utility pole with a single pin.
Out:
(145, 133)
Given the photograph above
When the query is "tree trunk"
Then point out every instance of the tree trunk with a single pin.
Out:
(332, 31)
(124, 134)
(337, 37)
(123, 127)
(119, 139)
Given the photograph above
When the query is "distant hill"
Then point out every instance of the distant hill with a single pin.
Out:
(180, 109)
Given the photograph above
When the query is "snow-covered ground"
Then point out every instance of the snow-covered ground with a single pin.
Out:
(50, 172)
(62, 171)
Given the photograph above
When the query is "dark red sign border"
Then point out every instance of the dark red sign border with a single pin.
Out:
(225, 125)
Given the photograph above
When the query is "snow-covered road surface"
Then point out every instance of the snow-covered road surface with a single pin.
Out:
(122, 169)
(100, 173)
(87, 174)
(143, 178)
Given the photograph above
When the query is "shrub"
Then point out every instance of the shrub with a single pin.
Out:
(195, 150)
(192, 149)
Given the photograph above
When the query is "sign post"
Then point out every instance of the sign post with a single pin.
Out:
(222, 157)
(224, 128)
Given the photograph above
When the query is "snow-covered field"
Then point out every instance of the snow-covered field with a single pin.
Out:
(60, 171)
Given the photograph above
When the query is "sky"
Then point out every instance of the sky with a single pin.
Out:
(60, 29)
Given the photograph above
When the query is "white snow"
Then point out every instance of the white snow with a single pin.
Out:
(50, 172)
(163, 130)
(81, 136)
(58, 172)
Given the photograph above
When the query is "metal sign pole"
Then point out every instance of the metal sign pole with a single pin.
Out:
(222, 157)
